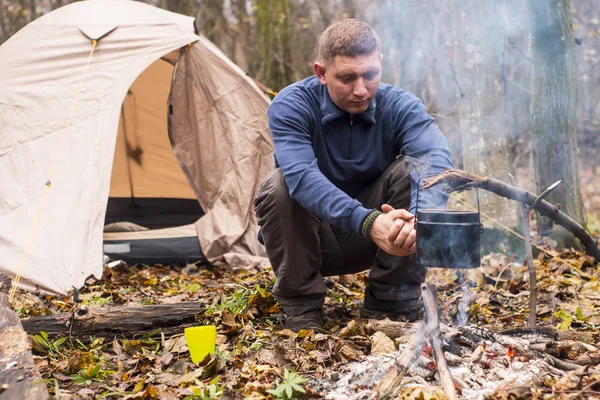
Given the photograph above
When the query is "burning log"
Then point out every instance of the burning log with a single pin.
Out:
(456, 180)
(430, 329)
(19, 378)
(433, 332)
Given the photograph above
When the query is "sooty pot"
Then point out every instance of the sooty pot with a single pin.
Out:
(448, 238)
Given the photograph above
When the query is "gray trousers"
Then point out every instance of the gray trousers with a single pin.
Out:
(303, 249)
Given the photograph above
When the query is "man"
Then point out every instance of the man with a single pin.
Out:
(349, 152)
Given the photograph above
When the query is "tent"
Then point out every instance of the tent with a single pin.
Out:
(123, 132)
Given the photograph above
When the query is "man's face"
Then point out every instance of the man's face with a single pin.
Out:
(352, 82)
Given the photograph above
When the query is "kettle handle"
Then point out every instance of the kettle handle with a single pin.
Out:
(476, 195)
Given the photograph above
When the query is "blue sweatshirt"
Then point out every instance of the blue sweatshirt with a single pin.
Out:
(329, 156)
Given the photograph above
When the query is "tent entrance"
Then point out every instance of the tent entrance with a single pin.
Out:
(152, 213)
(149, 192)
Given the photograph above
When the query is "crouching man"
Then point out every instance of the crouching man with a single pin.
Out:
(349, 151)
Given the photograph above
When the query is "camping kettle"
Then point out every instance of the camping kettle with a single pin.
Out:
(448, 238)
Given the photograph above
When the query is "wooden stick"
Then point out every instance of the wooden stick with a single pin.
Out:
(19, 378)
(393, 329)
(433, 331)
(529, 253)
(109, 322)
(561, 364)
(456, 179)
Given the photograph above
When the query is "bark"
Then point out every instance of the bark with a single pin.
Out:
(32, 10)
(555, 101)
(433, 332)
(477, 48)
(460, 180)
(3, 28)
(19, 378)
(109, 322)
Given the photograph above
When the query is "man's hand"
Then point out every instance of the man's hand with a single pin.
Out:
(394, 231)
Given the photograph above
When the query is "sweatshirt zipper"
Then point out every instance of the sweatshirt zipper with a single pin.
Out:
(350, 140)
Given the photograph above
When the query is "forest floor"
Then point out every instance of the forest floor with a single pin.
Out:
(257, 359)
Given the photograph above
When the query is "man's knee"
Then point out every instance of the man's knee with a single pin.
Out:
(399, 170)
(273, 191)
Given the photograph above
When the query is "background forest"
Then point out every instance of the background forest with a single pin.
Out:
(472, 62)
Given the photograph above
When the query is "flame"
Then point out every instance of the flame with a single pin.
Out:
(510, 352)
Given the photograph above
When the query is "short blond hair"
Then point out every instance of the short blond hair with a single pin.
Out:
(348, 37)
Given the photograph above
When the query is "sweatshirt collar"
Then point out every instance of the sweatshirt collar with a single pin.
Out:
(330, 111)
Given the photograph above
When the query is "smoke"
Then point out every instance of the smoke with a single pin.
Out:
(464, 303)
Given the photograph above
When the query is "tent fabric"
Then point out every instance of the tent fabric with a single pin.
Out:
(144, 163)
(219, 111)
(41, 68)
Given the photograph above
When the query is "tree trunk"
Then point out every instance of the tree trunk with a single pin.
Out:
(273, 24)
(477, 49)
(19, 378)
(555, 100)
(3, 27)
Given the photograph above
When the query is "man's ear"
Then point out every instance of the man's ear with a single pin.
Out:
(320, 72)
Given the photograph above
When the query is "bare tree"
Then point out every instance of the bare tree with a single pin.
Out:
(555, 101)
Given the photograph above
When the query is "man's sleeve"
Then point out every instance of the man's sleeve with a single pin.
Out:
(290, 127)
(421, 140)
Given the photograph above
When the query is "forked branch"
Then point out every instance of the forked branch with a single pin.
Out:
(456, 180)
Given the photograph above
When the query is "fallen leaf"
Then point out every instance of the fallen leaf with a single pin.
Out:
(381, 344)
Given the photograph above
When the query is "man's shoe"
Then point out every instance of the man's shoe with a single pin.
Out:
(309, 320)
(373, 308)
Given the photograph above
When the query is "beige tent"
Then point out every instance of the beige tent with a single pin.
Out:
(152, 116)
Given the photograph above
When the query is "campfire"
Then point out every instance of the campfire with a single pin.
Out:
(471, 362)
(464, 361)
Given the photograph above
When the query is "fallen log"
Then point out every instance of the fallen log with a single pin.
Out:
(456, 180)
(124, 321)
(19, 378)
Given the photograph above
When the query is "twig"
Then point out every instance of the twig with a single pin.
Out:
(433, 331)
(544, 194)
(561, 364)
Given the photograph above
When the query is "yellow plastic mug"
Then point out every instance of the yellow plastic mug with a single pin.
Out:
(200, 341)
